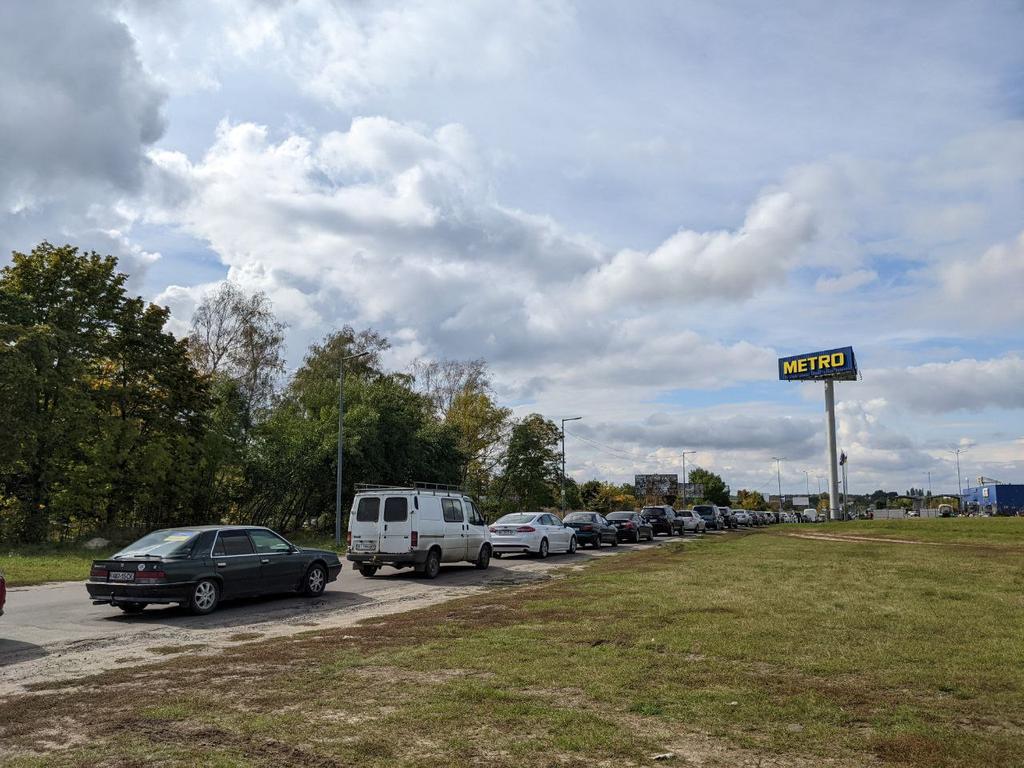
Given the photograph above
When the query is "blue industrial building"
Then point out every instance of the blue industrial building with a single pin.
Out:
(994, 498)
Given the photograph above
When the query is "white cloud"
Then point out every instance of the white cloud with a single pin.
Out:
(958, 385)
(986, 291)
(848, 281)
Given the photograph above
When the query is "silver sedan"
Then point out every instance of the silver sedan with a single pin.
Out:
(692, 522)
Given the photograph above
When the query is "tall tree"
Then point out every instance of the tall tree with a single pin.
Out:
(531, 472)
(237, 335)
(104, 404)
(444, 380)
(715, 490)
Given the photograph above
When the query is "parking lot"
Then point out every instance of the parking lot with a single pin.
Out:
(52, 632)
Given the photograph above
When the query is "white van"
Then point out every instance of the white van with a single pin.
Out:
(419, 527)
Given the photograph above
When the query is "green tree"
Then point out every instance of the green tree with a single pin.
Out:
(751, 500)
(715, 490)
(531, 472)
(105, 408)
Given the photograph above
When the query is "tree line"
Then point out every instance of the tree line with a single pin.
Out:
(112, 425)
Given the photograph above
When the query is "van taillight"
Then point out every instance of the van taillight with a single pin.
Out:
(414, 538)
(348, 539)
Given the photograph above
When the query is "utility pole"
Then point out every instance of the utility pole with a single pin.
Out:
(929, 489)
(778, 473)
(341, 428)
(685, 454)
(561, 506)
(843, 459)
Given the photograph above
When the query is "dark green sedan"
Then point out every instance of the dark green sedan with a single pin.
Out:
(202, 565)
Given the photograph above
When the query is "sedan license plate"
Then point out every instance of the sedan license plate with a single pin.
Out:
(122, 576)
(505, 532)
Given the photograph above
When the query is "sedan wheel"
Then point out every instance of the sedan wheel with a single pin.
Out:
(615, 541)
(543, 551)
(636, 537)
(597, 543)
(205, 596)
(316, 581)
(572, 546)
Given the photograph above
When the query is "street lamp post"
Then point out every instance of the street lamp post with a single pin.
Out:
(685, 454)
(572, 418)
(778, 473)
(807, 483)
(959, 485)
(341, 429)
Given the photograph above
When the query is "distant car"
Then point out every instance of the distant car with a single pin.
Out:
(787, 517)
(632, 526)
(711, 516)
(3, 592)
(692, 522)
(533, 533)
(591, 528)
(742, 517)
(663, 520)
(945, 510)
(202, 565)
(728, 517)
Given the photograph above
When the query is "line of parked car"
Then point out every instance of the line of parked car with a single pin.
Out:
(419, 527)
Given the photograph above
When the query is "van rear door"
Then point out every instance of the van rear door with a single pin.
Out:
(394, 531)
(364, 524)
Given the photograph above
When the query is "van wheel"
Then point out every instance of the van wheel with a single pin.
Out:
(543, 551)
(484, 558)
(433, 565)
(368, 570)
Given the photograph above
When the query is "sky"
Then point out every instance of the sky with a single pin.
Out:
(630, 210)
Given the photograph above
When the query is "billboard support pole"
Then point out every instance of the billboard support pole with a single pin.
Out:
(833, 474)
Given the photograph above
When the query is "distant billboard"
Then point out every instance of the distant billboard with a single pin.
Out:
(656, 485)
(801, 501)
(838, 364)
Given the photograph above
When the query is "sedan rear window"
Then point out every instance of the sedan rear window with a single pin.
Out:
(654, 512)
(517, 519)
(160, 543)
(576, 517)
(368, 510)
(396, 510)
(620, 516)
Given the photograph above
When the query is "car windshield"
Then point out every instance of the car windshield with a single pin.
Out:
(577, 517)
(654, 512)
(620, 516)
(159, 544)
(703, 511)
(516, 519)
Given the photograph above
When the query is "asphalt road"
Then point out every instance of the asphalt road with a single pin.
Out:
(53, 632)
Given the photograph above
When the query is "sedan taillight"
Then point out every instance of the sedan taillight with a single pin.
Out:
(587, 528)
(98, 573)
(525, 529)
(149, 576)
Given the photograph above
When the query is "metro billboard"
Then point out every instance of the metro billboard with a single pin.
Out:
(835, 364)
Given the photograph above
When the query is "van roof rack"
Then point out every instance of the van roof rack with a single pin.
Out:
(418, 487)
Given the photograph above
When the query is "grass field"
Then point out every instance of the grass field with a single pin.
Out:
(26, 566)
(759, 649)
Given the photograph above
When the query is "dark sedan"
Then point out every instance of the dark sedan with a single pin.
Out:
(631, 526)
(591, 528)
(200, 566)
